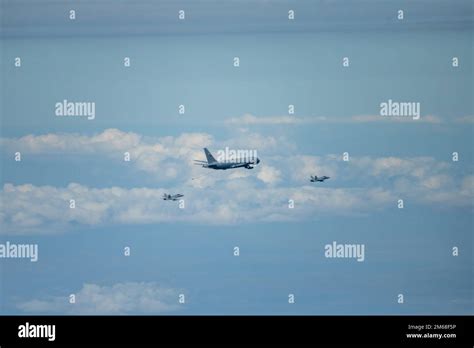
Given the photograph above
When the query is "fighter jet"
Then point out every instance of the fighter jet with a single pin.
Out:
(320, 179)
(212, 163)
(168, 197)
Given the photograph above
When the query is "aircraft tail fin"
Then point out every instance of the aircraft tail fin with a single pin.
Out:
(210, 158)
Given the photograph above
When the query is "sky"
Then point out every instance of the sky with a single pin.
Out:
(190, 251)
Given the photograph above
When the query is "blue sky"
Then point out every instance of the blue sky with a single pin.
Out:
(190, 251)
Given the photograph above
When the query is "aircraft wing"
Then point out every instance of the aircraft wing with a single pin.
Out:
(200, 163)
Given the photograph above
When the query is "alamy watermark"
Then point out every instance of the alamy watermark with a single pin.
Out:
(28, 330)
(345, 251)
(22, 251)
(400, 109)
(236, 155)
(78, 109)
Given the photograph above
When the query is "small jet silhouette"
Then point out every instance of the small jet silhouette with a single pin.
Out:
(212, 163)
(318, 179)
(168, 197)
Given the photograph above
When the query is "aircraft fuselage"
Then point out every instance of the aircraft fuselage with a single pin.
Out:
(212, 163)
(230, 165)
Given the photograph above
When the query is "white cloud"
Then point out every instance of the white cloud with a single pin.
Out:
(221, 197)
(251, 120)
(45, 209)
(417, 167)
(108, 141)
(467, 186)
(248, 119)
(121, 298)
(465, 119)
(377, 118)
(361, 187)
(268, 174)
(164, 157)
(436, 181)
(147, 154)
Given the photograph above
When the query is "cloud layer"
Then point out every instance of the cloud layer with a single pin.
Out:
(165, 158)
(120, 298)
(362, 185)
(46, 209)
(251, 120)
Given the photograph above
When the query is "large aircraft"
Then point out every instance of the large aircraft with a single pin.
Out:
(212, 163)
(168, 197)
(320, 178)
